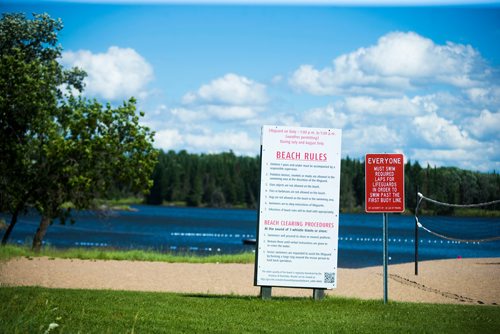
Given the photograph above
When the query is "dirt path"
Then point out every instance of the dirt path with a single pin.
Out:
(462, 281)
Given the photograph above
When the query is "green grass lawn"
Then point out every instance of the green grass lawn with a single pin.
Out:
(32, 310)
(11, 251)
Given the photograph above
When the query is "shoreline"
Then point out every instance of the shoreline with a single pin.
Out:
(472, 281)
(465, 213)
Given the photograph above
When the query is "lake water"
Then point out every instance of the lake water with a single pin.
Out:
(212, 231)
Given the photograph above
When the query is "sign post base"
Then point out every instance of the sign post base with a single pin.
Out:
(318, 294)
(265, 292)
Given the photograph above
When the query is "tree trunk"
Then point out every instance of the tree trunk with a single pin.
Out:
(13, 222)
(40, 233)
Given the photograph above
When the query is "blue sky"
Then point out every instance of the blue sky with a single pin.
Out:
(419, 80)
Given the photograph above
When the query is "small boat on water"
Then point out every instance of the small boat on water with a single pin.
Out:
(249, 241)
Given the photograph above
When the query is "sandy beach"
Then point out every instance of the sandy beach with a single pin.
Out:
(458, 281)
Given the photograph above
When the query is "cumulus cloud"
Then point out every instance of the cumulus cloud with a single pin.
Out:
(436, 103)
(410, 55)
(203, 113)
(228, 98)
(313, 81)
(207, 140)
(416, 126)
(168, 139)
(467, 159)
(231, 89)
(486, 125)
(442, 133)
(358, 141)
(409, 93)
(231, 113)
(389, 107)
(487, 95)
(221, 115)
(118, 73)
(277, 79)
(324, 117)
(399, 61)
(188, 116)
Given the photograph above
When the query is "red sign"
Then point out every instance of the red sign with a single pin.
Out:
(384, 183)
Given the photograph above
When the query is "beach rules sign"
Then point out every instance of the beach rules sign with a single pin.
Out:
(297, 237)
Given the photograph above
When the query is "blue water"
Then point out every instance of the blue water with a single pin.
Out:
(212, 231)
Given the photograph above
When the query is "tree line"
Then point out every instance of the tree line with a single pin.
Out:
(227, 180)
(215, 180)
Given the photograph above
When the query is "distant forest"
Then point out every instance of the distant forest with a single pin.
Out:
(227, 180)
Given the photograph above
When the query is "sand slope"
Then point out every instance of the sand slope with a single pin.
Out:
(462, 281)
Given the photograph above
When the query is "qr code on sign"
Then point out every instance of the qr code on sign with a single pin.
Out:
(330, 278)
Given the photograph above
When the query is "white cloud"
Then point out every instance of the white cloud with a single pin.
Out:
(277, 79)
(231, 113)
(168, 139)
(207, 140)
(230, 89)
(426, 103)
(438, 104)
(488, 95)
(204, 113)
(390, 107)
(228, 98)
(487, 125)
(477, 159)
(160, 109)
(188, 116)
(119, 73)
(399, 61)
(410, 55)
(324, 117)
(276, 118)
(313, 81)
(441, 133)
(200, 122)
(408, 93)
(371, 139)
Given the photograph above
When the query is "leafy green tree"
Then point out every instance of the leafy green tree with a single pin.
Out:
(61, 149)
(30, 78)
(92, 150)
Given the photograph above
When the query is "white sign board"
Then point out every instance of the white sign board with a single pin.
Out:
(299, 207)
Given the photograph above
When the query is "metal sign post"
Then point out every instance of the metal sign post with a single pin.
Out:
(386, 254)
(384, 193)
(416, 233)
